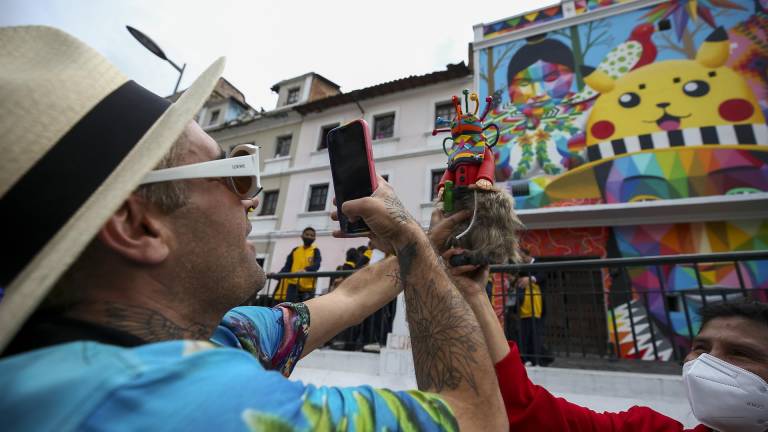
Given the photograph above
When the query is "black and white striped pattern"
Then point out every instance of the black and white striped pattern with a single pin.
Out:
(756, 133)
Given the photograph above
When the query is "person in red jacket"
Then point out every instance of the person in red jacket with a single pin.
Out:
(724, 375)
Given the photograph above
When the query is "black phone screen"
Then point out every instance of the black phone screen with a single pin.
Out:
(349, 168)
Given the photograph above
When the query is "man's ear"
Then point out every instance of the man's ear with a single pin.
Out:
(137, 232)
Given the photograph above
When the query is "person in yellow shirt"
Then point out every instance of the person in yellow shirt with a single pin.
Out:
(531, 309)
(304, 258)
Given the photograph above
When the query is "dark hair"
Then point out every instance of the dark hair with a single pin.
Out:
(754, 311)
(539, 48)
(308, 229)
(352, 254)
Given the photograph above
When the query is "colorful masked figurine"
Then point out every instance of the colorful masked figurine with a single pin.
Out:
(490, 236)
(470, 161)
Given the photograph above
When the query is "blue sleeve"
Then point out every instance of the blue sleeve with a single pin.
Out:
(274, 336)
(225, 389)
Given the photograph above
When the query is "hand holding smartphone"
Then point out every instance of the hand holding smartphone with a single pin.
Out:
(354, 176)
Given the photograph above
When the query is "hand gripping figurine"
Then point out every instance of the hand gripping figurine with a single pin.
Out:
(490, 237)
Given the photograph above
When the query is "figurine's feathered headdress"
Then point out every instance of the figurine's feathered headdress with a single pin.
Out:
(467, 124)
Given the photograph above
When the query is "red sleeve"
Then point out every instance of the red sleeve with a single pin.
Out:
(487, 167)
(447, 175)
(531, 407)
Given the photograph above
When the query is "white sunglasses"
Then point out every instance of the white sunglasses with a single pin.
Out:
(240, 168)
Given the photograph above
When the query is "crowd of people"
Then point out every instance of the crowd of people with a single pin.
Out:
(120, 307)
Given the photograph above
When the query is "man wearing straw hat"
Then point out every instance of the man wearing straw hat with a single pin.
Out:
(125, 230)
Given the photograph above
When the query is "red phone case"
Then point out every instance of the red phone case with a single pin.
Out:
(369, 154)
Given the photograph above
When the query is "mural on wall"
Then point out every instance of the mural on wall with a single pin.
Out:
(665, 102)
(543, 101)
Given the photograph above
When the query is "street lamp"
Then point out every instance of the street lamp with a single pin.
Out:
(152, 46)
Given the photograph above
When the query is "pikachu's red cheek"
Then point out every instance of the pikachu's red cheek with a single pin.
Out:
(735, 110)
(602, 129)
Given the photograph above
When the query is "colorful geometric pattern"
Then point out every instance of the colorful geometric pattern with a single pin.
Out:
(637, 334)
(691, 238)
(518, 22)
(678, 173)
(544, 15)
(680, 12)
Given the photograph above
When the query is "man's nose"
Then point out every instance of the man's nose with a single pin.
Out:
(250, 204)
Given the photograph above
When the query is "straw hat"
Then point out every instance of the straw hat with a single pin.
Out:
(76, 138)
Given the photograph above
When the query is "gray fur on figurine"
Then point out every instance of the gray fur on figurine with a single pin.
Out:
(490, 236)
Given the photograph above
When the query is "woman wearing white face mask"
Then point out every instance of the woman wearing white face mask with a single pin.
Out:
(725, 374)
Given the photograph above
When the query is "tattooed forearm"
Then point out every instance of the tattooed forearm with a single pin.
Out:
(151, 325)
(396, 209)
(444, 335)
(444, 341)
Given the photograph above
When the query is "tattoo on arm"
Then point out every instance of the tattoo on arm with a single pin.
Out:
(396, 209)
(151, 325)
(444, 338)
(395, 276)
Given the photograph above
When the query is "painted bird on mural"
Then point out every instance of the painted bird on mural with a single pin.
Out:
(642, 35)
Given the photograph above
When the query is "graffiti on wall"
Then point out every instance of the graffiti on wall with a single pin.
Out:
(661, 103)
(636, 334)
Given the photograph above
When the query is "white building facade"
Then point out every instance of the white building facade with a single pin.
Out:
(401, 115)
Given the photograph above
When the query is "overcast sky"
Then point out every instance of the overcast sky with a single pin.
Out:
(353, 43)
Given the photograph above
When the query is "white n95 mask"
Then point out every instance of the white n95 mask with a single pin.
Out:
(725, 397)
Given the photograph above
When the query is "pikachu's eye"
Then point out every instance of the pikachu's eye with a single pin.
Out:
(696, 88)
(629, 100)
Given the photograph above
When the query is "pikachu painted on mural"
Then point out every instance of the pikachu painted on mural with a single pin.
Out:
(490, 236)
(683, 107)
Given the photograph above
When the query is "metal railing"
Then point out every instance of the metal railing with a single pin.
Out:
(644, 308)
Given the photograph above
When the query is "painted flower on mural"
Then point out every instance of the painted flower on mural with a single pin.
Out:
(545, 140)
(541, 135)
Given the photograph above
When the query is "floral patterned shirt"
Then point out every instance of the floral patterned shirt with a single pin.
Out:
(236, 381)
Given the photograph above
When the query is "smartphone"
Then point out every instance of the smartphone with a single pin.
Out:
(354, 176)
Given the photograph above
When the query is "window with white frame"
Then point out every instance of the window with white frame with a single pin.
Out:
(269, 203)
(323, 142)
(384, 126)
(445, 111)
(283, 145)
(293, 96)
(318, 195)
